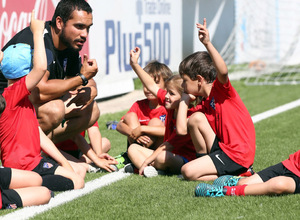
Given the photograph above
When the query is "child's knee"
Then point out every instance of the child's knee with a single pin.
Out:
(78, 182)
(196, 119)
(130, 116)
(155, 122)
(186, 172)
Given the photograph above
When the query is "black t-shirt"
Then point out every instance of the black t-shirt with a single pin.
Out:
(65, 63)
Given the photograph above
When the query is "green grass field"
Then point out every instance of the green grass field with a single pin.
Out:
(168, 197)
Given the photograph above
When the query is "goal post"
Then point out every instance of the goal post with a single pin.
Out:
(264, 45)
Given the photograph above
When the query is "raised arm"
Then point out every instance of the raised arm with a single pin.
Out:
(146, 79)
(222, 72)
(39, 54)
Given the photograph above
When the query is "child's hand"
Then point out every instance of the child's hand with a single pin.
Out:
(187, 97)
(36, 26)
(134, 55)
(203, 32)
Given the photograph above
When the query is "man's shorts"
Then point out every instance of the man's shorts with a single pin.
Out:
(5, 177)
(279, 170)
(223, 163)
(47, 166)
(11, 199)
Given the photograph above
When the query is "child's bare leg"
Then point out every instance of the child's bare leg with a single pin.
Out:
(132, 121)
(138, 154)
(155, 141)
(79, 170)
(201, 168)
(77, 180)
(254, 179)
(276, 185)
(24, 178)
(201, 133)
(169, 162)
(105, 145)
(30, 196)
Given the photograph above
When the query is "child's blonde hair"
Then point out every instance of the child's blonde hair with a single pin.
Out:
(157, 70)
(175, 81)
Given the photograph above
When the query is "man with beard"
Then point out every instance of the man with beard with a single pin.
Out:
(64, 98)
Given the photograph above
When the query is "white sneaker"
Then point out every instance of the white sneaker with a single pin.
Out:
(150, 171)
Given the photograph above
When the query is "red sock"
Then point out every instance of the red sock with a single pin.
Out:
(235, 190)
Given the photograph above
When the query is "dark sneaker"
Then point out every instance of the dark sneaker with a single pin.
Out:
(130, 168)
(249, 172)
(227, 180)
(207, 190)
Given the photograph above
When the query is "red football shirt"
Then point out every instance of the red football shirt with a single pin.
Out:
(231, 122)
(19, 133)
(183, 145)
(145, 113)
(293, 163)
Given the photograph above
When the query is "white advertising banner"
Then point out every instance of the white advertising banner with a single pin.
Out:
(118, 26)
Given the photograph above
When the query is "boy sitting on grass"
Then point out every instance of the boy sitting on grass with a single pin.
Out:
(222, 130)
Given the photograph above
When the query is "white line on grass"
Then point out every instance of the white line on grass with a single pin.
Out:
(59, 199)
(275, 111)
(28, 212)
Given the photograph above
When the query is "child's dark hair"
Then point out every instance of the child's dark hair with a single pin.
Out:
(65, 8)
(2, 104)
(176, 82)
(157, 70)
(199, 63)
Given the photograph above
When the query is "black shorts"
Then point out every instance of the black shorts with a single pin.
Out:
(47, 166)
(5, 177)
(279, 170)
(223, 163)
(11, 199)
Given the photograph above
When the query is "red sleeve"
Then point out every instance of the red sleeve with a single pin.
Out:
(161, 96)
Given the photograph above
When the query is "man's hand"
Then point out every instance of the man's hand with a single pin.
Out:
(89, 67)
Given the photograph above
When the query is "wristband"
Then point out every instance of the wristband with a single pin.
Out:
(84, 80)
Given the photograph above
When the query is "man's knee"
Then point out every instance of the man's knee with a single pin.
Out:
(51, 114)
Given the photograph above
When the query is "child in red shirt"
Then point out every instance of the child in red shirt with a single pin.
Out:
(144, 123)
(21, 138)
(175, 150)
(222, 130)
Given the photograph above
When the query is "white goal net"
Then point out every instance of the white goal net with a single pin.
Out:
(264, 46)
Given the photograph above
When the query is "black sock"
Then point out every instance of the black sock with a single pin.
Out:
(57, 183)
